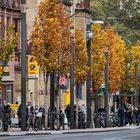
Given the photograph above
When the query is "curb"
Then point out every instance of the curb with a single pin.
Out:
(74, 131)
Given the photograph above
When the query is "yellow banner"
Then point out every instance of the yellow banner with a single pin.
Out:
(66, 98)
(33, 68)
(0, 69)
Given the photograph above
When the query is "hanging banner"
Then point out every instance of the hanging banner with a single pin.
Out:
(66, 98)
(33, 68)
(0, 69)
(63, 82)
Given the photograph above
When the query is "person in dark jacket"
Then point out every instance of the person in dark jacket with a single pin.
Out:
(19, 115)
(1, 112)
(67, 112)
(138, 116)
(121, 115)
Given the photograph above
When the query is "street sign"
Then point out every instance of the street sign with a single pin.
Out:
(63, 82)
(33, 68)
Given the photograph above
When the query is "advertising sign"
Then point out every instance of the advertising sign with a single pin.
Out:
(33, 68)
(14, 109)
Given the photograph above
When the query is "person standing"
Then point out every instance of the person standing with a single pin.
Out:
(19, 115)
(121, 115)
(138, 116)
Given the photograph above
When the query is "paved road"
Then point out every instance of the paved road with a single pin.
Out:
(133, 134)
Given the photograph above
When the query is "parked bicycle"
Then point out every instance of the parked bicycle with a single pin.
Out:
(100, 120)
(114, 120)
(55, 120)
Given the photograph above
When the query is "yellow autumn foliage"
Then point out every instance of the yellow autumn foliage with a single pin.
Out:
(97, 56)
(116, 55)
(51, 36)
(8, 44)
(135, 52)
(80, 56)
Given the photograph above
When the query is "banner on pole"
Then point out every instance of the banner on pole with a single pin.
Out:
(33, 68)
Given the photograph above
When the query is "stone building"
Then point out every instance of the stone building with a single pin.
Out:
(10, 13)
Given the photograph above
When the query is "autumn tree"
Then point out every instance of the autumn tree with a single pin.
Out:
(117, 54)
(51, 36)
(97, 56)
(7, 44)
(135, 52)
(80, 56)
(51, 39)
(7, 47)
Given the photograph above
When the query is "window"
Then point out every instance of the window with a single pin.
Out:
(82, 3)
(17, 3)
(2, 26)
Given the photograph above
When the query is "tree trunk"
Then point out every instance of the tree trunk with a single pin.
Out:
(46, 102)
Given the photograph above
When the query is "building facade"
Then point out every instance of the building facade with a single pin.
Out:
(10, 13)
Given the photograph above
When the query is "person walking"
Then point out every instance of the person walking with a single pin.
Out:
(138, 116)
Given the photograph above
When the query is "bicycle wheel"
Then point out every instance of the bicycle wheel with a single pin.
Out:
(29, 121)
(1, 125)
(57, 124)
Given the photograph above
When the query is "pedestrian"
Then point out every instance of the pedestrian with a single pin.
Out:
(126, 114)
(129, 113)
(42, 109)
(138, 116)
(30, 108)
(19, 115)
(121, 115)
(67, 112)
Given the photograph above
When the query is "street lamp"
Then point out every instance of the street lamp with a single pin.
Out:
(89, 36)
(106, 88)
(72, 68)
(23, 64)
(72, 82)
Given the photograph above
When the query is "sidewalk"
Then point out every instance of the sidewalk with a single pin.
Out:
(48, 132)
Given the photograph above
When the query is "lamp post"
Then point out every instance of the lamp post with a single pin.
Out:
(136, 82)
(72, 69)
(23, 64)
(89, 36)
(72, 86)
(106, 88)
